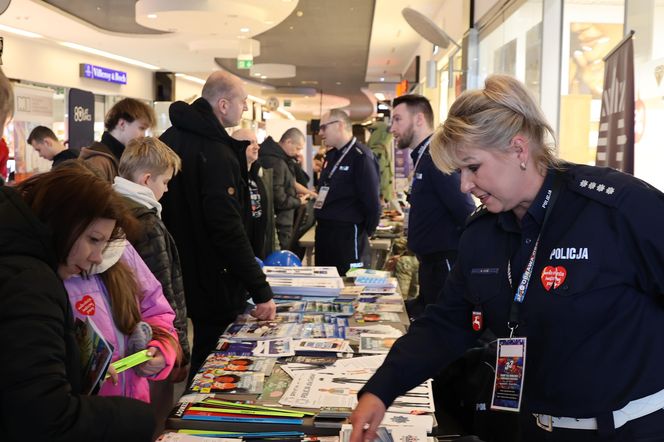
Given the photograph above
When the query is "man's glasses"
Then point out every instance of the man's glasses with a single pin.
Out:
(322, 127)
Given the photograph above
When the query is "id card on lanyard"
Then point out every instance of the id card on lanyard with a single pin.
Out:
(412, 181)
(511, 352)
(325, 189)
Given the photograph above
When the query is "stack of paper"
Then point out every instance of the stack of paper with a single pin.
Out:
(377, 281)
(232, 374)
(306, 281)
(327, 287)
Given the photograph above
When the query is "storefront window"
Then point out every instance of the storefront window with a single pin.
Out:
(643, 17)
(590, 31)
(512, 44)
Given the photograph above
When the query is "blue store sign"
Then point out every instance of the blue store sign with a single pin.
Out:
(101, 73)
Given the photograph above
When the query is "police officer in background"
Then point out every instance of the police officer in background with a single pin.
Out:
(348, 205)
(438, 208)
(562, 255)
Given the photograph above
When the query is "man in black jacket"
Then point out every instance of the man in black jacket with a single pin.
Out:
(43, 140)
(205, 210)
(279, 157)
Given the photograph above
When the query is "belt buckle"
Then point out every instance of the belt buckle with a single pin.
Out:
(546, 427)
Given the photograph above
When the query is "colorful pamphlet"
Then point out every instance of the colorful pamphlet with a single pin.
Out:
(96, 354)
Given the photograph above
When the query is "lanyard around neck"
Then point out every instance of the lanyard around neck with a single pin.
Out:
(422, 152)
(417, 162)
(520, 294)
(343, 154)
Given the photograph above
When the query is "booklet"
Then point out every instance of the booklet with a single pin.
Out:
(300, 272)
(228, 382)
(376, 343)
(96, 355)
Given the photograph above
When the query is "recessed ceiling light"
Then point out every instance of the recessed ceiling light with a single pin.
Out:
(299, 13)
(291, 28)
(263, 77)
(244, 29)
(382, 78)
(190, 78)
(257, 74)
(105, 54)
(338, 83)
(152, 15)
(20, 32)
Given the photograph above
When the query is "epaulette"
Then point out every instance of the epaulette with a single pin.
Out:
(600, 184)
(477, 213)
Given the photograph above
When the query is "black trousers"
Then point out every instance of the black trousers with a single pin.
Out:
(206, 335)
(341, 244)
(432, 274)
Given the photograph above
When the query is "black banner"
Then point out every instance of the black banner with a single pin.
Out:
(81, 121)
(615, 144)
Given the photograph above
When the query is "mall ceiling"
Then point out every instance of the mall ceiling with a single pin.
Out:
(315, 54)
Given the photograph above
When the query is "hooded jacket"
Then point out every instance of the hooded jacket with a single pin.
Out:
(40, 372)
(157, 248)
(205, 210)
(272, 156)
(89, 298)
(100, 158)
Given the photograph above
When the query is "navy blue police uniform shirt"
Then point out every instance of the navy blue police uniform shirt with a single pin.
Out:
(438, 209)
(595, 335)
(354, 195)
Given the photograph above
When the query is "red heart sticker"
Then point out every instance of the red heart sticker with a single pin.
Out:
(553, 277)
(86, 306)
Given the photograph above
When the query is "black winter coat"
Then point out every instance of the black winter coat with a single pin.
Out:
(272, 156)
(157, 248)
(40, 368)
(205, 210)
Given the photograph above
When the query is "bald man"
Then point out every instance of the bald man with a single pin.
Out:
(205, 210)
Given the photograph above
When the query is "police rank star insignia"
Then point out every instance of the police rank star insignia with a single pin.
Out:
(596, 186)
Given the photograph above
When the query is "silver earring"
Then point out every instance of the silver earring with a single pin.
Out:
(522, 166)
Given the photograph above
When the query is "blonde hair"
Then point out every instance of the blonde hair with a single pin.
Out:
(488, 119)
(147, 154)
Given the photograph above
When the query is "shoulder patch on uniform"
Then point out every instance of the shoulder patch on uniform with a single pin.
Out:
(600, 184)
(477, 213)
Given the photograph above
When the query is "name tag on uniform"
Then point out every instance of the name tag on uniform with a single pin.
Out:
(418, 176)
(510, 369)
(344, 168)
(322, 194)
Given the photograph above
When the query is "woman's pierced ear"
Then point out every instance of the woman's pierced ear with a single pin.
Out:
(522, 165)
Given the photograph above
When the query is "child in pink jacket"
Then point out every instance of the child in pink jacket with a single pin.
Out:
(127, 305)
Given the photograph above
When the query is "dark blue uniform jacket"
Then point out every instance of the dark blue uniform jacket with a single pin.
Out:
(438, 209)
(595, 338)
(354, 195)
